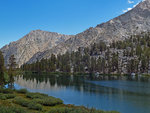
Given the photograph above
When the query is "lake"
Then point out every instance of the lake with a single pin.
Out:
(123, 95)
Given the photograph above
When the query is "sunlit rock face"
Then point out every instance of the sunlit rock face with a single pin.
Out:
(35, 41)
(41, 44)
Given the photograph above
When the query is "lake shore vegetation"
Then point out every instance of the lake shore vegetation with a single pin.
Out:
(22, 101)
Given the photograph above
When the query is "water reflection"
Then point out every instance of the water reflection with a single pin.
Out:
(121, 94)
(81, 84)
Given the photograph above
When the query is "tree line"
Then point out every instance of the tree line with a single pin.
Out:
(127, 56)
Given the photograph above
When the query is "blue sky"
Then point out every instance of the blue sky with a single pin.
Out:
(19, 17)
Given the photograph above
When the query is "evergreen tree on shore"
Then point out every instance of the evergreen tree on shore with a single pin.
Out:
(2, 70)
(12, 70)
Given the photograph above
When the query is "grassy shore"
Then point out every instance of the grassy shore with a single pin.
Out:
(22, 101)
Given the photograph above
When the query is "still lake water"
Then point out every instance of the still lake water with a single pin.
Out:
(125, 96)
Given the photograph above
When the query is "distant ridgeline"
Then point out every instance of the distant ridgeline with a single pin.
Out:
(121, 57)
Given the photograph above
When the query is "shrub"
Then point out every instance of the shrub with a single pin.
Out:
(34, 105)
(49, 101)
(21, 101)
(44, 99)
(6, 91)
(23, 91)
(29, 104)
(6, 96)
(9, 96)
(12, 109)
(36, 95)
(2, 97)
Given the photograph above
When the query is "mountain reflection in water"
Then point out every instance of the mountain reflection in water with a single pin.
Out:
(121, 95)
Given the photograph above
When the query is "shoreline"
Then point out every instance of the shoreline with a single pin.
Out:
(23, 101)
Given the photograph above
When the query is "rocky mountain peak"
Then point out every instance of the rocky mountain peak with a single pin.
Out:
(145, 4)
(30, 44)
(40, 44)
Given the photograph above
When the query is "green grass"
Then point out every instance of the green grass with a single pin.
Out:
(22, 101)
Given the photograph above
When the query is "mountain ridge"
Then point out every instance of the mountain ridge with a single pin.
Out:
(35, 41)
(135, 21)
(115, 29)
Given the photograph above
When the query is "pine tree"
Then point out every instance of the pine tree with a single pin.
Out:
(12, 70)
(2, 70)
(138, 50)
